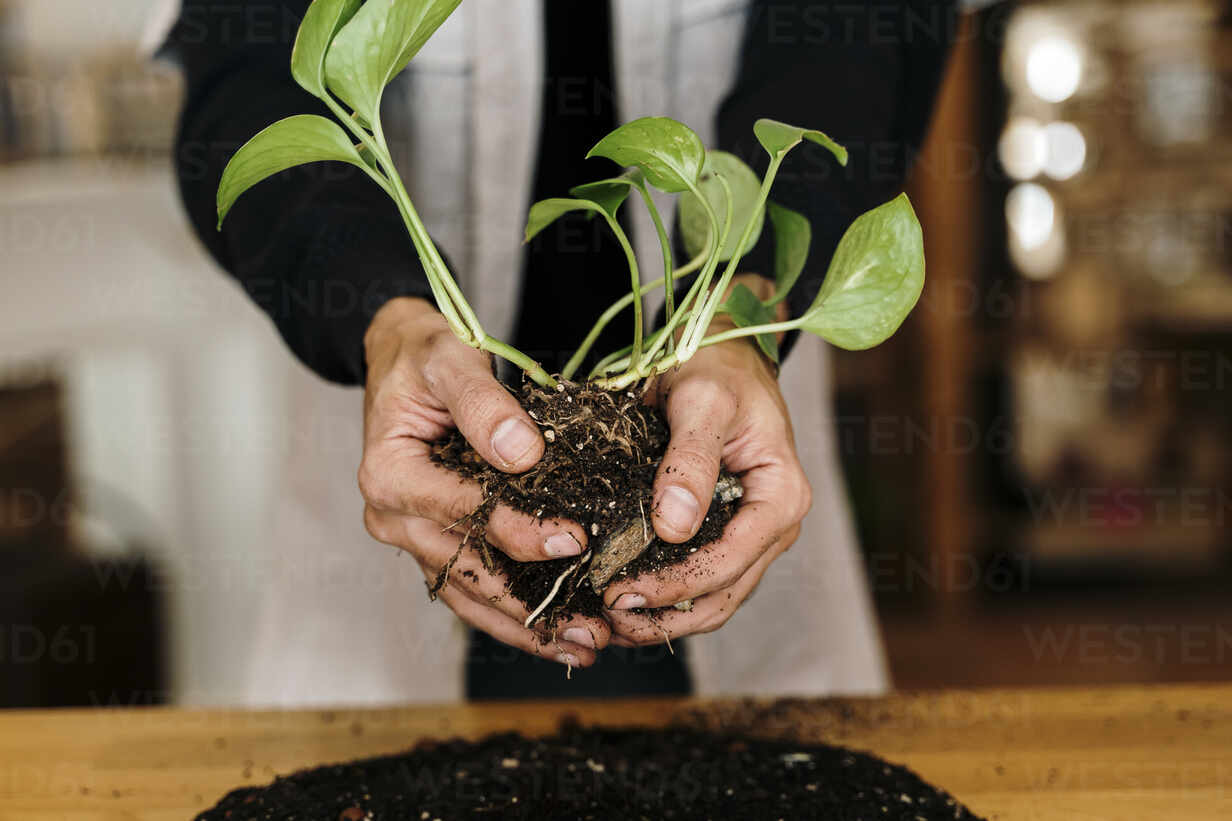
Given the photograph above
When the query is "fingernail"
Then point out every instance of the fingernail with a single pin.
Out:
(569, 659)
(513, 440)
(580, 635)
(678, 509)
(629, 601)
(560, 545)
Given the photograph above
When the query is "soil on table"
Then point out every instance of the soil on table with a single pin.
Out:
(602, 452)
(680, 773)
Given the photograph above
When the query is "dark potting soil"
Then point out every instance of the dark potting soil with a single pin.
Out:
(598, 469)
(602, 774)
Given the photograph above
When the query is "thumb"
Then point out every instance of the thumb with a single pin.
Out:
(685, 483)
(485, 412)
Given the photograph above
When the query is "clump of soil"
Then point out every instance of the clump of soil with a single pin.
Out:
(597, 774)
(603, 449)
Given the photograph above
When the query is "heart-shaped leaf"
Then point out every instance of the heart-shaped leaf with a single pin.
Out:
(792, 237)
(545, 212)
(745, 188)
(322, 22)
(610, 194)
(746, 310)
(378, 42)
(874, 280)
(779, 138)
(667, 152)
(287, 143)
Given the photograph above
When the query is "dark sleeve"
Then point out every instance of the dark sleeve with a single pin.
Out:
(866, 73)
(319, 248)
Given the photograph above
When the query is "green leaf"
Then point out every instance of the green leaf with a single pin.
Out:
(779, 138)
(287, 143)
(874, 280)
(746, 191)
(545, 212)
(610, 194)
(667, 152)
(322, 22)
(746, 310)
(792, 237)
(373, 48)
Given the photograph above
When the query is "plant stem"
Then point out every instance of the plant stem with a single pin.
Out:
(635, 277)
(440, 293)
(701, 321)
(621, 360)
(532, 368)
(448, 296)
(677, 358)
(703, 283)
(752, 330)
(703, 279)
(614, 310)
(423, 241)
(665, 243)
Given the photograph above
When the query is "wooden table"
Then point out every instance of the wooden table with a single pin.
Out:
(1119, 753)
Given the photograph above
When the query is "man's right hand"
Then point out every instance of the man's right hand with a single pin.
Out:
(421, 383)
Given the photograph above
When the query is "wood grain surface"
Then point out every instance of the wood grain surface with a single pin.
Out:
(1066, 754)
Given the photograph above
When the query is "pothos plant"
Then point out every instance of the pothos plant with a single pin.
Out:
(348, 51)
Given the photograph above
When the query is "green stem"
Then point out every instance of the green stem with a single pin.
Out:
(612, 312)
(701, 321)
(449, 298)
(391, 184)
(532, 368)
(707, 276)
(425, 245)
(703, 279)
(672, 360)
(621, 361)
(635, 277)
(752, 330)
(665, 244)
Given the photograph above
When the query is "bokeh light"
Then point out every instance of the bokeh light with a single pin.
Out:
(1054, 68)
(1065, 150)
(1031, 214)
(1022, 148)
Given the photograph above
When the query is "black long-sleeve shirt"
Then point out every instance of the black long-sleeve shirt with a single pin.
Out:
(320, 248)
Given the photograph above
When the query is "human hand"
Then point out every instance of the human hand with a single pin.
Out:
(724, 406)
(421, 383)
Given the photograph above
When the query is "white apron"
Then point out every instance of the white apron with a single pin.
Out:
(348, 620)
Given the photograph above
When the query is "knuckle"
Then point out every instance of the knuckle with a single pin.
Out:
(670, 594)
(475, 399)
(703, 394)
(372, 485)
(439, 363)
(376, 525)
(720, 618)
(804, 501)
(452, 508)
(727, 576)
(693, 457)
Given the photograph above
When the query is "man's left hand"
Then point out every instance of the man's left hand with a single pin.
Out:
(724, 407)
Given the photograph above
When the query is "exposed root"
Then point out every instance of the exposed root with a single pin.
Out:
(561, 650)
(597, 470)
(667, 638)
(443, 576)
(569, 571)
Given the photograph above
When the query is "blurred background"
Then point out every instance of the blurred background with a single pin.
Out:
(1040, 463)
